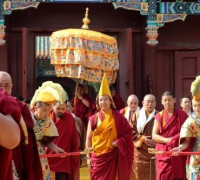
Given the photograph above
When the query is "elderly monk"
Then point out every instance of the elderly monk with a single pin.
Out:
(110, 136)
(142, 123)
(166, 132)
(131, 108)
(9, 132)
(44, 127)
(25, 155)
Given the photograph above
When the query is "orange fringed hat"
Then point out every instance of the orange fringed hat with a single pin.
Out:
(195, 88)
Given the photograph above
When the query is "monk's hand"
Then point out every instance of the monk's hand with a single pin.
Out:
(149, 142)
(78, 95)
(114, 144)
(168, 140)
(176, 150)
(59, 150)
(89, 162)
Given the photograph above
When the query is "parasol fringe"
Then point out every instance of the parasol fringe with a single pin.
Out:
(90, 67)
(57, 50)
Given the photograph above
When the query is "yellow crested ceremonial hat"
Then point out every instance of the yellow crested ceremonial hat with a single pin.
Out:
(195, 88)
(49, 93)
(104, 89)
(46, 97)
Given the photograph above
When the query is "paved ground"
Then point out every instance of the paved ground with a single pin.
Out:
(84, 173)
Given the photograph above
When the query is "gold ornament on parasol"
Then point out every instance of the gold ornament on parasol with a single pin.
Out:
(84, 54)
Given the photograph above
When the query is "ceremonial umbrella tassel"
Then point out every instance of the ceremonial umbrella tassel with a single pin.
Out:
(83, 54)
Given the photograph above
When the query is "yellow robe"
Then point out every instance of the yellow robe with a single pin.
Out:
(104, 135)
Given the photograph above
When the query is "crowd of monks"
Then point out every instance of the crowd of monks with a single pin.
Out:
(120, 137)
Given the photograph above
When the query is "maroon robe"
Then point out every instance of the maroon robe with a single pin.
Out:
(84, 112)
(170, 167)
(68, 141)
(119, 159)
(25, 156)
(119, 103)
(8, 105)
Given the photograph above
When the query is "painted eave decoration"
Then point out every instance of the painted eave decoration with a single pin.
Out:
(158, 12)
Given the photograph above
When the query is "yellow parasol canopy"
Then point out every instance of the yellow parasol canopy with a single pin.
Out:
(84, 54)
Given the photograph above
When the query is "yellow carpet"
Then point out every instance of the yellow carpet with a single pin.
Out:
(84, 173)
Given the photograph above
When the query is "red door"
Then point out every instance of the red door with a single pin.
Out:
(187, 67)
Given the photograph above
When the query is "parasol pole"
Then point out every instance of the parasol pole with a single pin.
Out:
(154, 151)
(86, 21)
(76, 91)
(85, 85)
(76, 88)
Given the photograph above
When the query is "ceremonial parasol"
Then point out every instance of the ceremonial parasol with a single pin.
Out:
(83, 54)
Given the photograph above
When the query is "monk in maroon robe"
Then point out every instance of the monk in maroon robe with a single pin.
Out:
(26, 156)
(110, 136)
(117, 162)
(166, 132)
(65, 168)
(84, 106)
(8, 105)
(119, 103)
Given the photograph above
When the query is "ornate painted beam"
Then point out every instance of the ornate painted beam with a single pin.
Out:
(6, 8)
(158, 13)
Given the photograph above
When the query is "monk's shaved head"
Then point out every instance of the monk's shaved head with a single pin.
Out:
(149, 102)
(6, 81)
(132, 102)
(149, 96)
(131, 97)
(5, 76)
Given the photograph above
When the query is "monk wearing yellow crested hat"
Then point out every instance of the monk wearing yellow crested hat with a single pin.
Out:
(190, 133)
(44, 127)
(110, 137)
